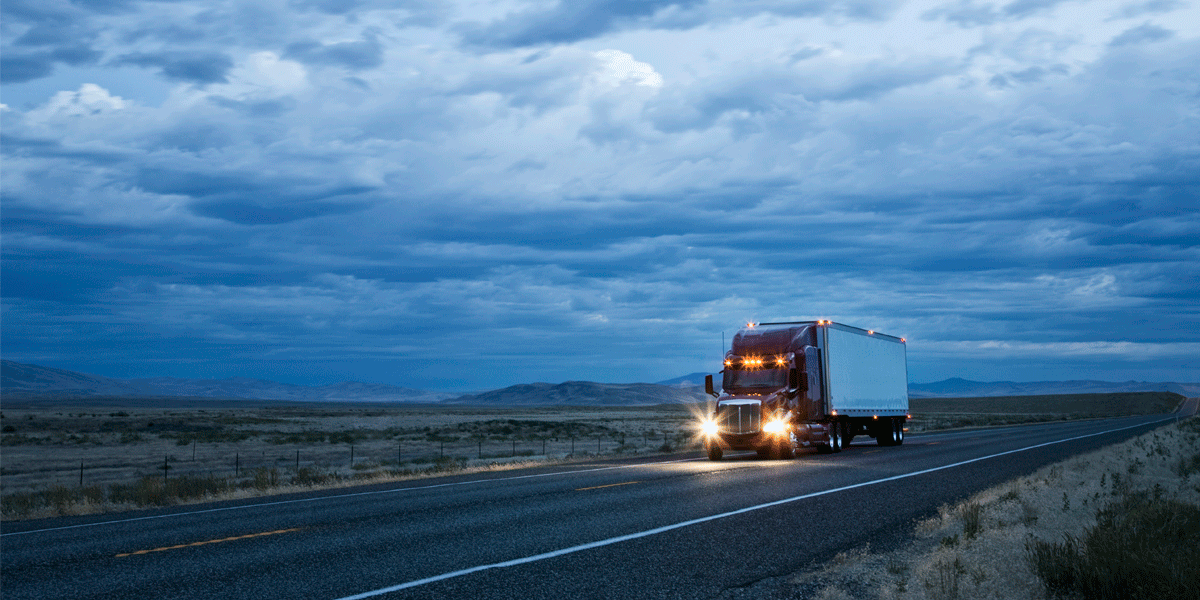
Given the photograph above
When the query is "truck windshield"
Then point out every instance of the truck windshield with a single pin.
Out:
(755, 380)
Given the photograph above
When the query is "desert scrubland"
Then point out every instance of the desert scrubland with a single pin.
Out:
(96, 455)
(1121, 522)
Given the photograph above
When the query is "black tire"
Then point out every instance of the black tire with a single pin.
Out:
(835, 436)
(714, 452)
(764, 452)
(788, 446)
(899, 437)
(885, 432)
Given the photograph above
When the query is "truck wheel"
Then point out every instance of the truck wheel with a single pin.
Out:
(885, 432)
(899, 431)
(789, 446)
(835, 437)
(714, 452)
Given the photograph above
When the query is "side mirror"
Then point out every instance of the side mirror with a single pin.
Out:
(708, 386)
(797, 380)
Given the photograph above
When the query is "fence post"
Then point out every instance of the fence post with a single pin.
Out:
(543, 446)
(480, 456)
(81, 473)
(165, 467)
(297, 461)
(597, 444)
(351, 455)
(237, 464)
(514, 448)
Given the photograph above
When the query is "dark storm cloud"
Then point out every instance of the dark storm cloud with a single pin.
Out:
(424, 13)
(53, 33)
(790, 93)
(1142, 34)
(1137, 9)
(566, 22)
(250, 199)
(364, 54)
(20, 67)
(1021, 8)
(966, 13)
(574, 21)
(25, 67)
(196, 67)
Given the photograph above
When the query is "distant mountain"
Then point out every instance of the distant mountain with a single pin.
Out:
(22, 379)
(583, 393)
(17, 379)
(687, 381)
(965, 388)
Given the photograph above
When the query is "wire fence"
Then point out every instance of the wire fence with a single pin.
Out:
(85, 466)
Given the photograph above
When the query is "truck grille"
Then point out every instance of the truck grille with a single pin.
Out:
(740, 418)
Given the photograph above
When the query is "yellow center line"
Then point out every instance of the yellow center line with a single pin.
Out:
(228, 539)
(596, 487)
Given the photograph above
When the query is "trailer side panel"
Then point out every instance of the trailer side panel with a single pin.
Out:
(866, 373)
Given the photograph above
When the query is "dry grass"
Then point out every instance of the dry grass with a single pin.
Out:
(77, 460)
(1108, 506)
(61, 459)
(937, 414)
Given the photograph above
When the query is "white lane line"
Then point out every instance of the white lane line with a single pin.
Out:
(337, 496)
(641, 534)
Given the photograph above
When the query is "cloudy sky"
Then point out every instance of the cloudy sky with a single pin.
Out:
(467, 195)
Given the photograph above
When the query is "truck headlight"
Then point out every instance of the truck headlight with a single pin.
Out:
(709, 427)
(775, 426)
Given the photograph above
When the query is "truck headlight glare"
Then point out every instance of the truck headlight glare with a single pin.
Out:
(709, 427)
(775, 426)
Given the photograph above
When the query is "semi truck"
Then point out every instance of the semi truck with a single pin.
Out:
(807, 384)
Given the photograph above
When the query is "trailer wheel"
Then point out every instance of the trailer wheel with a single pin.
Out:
(714, 452)
(835, 436)
(885, 432)
(899, 431)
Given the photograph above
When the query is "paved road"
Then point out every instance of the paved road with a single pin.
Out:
(657, 527)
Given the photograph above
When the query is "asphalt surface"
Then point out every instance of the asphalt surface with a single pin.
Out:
(675, 526)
